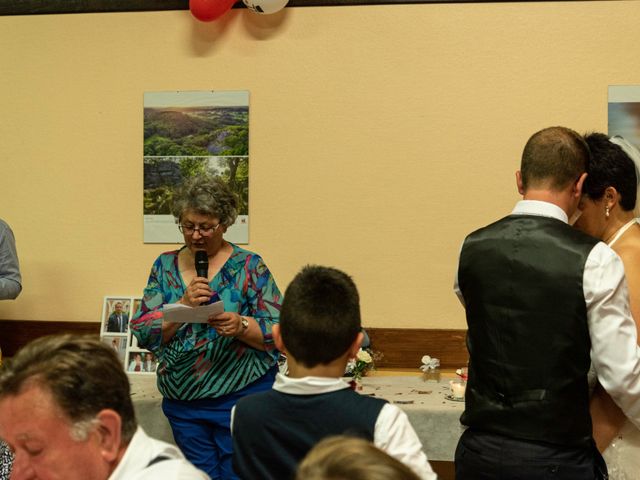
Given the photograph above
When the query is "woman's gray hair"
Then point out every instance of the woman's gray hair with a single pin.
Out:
(206, 195)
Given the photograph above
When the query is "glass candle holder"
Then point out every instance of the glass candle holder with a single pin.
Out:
(457, 387)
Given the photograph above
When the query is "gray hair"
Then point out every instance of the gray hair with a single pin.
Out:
(80, 430)
(206, 195)
(83, 374)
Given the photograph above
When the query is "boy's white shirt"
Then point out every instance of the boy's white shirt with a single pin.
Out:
(393, 432)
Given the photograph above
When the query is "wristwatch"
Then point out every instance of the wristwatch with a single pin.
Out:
(244, 321)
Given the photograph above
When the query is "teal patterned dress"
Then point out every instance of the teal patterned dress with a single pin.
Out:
(197, 363)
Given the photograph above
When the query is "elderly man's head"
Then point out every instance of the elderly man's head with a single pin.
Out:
(65, 409)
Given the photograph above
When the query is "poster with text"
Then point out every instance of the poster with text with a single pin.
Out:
(624, 112)
(187, 134)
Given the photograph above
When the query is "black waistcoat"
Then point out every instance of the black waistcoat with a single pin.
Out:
(528, 338)
(273, 431)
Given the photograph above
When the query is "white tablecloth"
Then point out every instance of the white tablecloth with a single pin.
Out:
(435, 419)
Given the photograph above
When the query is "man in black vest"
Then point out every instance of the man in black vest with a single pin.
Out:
(542, 302)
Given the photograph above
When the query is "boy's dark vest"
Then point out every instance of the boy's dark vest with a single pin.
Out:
(273, 431)
(528, 338)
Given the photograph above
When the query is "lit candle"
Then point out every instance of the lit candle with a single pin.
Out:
(457, 388)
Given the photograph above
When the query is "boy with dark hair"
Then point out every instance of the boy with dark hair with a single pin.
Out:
(319, 331)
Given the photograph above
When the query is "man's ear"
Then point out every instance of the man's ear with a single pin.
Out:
(277, 337)
(355, 346)
(109, 432)
(577, 188)
(519, 182)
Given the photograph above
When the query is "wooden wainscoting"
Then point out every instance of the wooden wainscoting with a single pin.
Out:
(405, 347)
(444, 470)
(16, 333)
(400, 347)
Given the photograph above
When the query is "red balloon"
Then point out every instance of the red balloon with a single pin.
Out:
(209, 10)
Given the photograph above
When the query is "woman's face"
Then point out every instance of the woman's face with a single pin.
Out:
(211, 241)
(592, 220)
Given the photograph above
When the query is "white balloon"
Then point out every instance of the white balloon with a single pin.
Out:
(265, 7)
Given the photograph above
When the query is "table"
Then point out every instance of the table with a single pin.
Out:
(434, 418)
(147, 403)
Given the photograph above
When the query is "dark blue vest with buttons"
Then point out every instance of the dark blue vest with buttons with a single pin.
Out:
(273, 431)
(528, 338)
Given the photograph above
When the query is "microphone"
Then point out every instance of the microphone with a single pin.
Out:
(202, 264)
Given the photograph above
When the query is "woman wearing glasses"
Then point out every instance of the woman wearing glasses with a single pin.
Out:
(205, 368)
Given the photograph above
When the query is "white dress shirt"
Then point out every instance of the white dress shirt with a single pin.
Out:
(143, 449)
(614, 346)
(393, 432)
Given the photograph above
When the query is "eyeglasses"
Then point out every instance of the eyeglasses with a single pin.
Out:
(203, 230)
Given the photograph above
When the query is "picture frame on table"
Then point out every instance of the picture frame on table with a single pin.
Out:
(141, 362)
(116, 313)
(136, 305)
(118, 343)
(116, 333)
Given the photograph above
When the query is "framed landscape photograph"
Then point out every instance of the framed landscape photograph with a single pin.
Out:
(187, 134)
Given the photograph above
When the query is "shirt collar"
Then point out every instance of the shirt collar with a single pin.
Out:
(140, 451)
(540, 208)
(308, 385)
(133, 461)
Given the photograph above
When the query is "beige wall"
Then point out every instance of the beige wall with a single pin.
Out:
(380, 136)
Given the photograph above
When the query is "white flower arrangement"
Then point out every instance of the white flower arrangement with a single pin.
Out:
(364, 356)
(359, 366)
(429, 363)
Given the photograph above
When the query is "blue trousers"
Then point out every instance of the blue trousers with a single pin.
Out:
(201, 428)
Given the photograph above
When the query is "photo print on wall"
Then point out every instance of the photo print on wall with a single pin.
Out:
(187, 133)
(624, 112)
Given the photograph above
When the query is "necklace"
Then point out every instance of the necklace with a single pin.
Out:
(618, 233)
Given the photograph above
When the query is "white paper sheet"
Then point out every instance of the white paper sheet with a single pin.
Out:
(178, 313)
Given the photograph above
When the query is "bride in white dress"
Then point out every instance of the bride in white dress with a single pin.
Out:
(609, 199)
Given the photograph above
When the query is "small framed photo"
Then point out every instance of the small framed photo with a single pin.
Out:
(133, 342)
(141, 361)
(115, 331)
(118, 343)
(136, 306)
(116, 313)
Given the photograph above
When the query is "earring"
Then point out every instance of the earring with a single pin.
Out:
(606, 211)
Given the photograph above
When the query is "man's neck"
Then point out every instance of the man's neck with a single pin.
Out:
(560, 199)
(120, 455)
